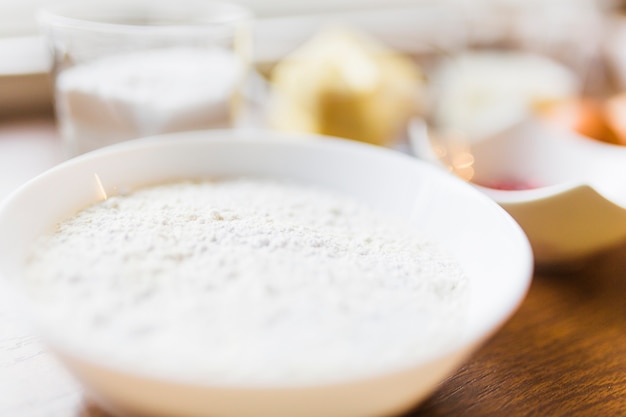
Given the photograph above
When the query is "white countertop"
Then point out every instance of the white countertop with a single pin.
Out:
(32, 383)
(27, 148)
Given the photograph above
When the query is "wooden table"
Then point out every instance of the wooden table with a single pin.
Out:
(562, 354)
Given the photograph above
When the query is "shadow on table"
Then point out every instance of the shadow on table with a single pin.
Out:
(89, 409)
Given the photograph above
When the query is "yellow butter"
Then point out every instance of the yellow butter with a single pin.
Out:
(341, 83)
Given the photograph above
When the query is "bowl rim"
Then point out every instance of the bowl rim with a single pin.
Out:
(205, 16)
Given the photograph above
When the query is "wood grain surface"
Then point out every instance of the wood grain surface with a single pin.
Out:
(562, 354)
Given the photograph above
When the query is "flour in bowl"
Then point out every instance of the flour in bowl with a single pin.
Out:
(246, 280)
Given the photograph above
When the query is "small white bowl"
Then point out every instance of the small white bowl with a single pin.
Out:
(489, 245)
(575, 206)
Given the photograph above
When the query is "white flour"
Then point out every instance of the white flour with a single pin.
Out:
(246, 280)
(144, 93)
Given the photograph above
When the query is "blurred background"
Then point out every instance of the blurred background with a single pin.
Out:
(561, 58)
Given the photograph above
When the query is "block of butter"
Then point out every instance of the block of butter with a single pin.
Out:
(343, 83)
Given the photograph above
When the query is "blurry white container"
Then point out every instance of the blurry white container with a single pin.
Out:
(123, 70)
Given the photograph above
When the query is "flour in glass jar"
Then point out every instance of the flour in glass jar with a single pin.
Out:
(147, 92)
(246, 280)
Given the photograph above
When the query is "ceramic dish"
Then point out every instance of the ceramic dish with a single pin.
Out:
(490, 246)
(568, 192)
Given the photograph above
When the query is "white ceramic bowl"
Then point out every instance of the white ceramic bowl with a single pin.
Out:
(490, 246)
(576, 204)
